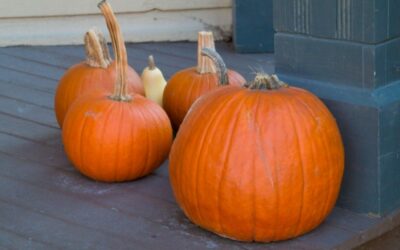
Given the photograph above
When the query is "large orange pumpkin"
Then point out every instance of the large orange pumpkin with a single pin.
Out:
(187, 85)
(115, 136)
(97, 72)
(257, 163)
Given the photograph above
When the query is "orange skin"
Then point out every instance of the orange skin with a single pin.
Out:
(186, 86)
(257, 165)
(81, 79)
(114, 141)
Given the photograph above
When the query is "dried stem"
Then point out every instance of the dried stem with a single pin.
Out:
(120, 89)
(97, 54)
(265, 81)
(204, 64)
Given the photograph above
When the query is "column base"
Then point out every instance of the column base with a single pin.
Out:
(369, 121)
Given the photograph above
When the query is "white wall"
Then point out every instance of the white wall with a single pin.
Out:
(44, 22)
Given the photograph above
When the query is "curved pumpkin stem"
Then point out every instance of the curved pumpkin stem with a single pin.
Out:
(97, 54)
(103, 43)
(219, 64)
(120, 89)
(205, 40)
(265, 81)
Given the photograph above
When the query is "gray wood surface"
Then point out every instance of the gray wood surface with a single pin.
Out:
(45, 203)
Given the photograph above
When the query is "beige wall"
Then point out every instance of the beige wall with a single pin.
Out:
(65, 21)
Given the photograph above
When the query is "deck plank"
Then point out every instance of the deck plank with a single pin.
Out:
(39, 55)
(37, 153)
(34, 67)
(30, 96)
(27, 80)
(327, 237)
(244, 64)
(137, 57)
(54, 157)
(136, 216)
(25, 110)
(29, 130)
(9, 239)
(185, 58)
(63, 234)
(123, 196)
(351, 221)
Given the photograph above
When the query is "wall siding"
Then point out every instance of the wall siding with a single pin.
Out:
(50, 23)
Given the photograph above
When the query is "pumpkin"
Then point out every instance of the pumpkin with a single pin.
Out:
(96, 72)
(115, 136)
(187, 85)
(153, 81)
(257, 163)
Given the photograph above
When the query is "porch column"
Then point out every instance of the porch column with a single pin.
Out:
(252, 26)
(348, 53)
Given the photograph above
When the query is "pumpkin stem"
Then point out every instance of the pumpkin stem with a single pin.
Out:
(265, 81)
(97, 54)
(120, 88)
(151, 63)
(219, 64)
(204, 64)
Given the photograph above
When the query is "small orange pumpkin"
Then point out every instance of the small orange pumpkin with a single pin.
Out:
(97, 72)
(257, 163)
(114, 136)
(187, 85)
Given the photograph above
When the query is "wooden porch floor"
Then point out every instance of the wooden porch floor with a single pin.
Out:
(46, 204)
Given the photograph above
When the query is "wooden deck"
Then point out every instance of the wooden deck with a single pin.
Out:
(46, 204)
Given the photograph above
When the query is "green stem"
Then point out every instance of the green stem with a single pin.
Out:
(219, 63)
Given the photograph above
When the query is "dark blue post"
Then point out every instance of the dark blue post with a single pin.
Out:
(348, 53)
(253, 26)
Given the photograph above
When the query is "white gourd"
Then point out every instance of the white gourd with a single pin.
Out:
(153, 82)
